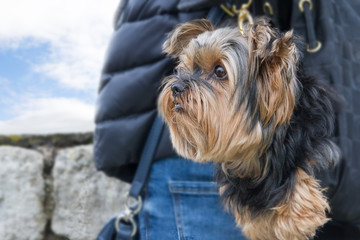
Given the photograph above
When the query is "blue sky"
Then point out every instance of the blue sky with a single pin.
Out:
(51, 52)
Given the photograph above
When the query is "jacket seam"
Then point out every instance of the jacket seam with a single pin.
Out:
(110, 121)
(162, 57)
(169, 13)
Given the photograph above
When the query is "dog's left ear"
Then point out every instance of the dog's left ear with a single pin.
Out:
(273, 59)
(181, 36)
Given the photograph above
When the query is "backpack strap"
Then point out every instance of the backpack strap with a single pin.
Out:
(123, 226)
(146, 158)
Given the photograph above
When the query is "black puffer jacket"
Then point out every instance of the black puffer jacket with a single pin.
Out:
(135, 66)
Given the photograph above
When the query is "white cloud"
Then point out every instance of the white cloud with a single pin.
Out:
(50, 115)
(76, 31)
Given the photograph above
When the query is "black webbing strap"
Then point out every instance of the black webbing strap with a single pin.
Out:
(146, 158)
(123, 227)
(310, 31)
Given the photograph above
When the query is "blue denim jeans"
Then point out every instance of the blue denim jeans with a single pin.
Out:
(181, 201)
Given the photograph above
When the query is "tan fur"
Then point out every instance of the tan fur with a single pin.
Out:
(296, 218)
(271, 66)
(182, 35)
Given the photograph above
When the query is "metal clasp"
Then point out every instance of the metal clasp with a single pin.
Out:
(131, 210)
(127, 217)
(268, 8)
(243, 13)
(301, 4)
(313, 50)
(135, 206)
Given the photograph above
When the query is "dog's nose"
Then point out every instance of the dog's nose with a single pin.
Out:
(177, 88)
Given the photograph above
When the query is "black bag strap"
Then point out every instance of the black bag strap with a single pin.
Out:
(146, 158)
(124, 226)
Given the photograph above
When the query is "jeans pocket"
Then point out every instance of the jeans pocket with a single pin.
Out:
(199, 213)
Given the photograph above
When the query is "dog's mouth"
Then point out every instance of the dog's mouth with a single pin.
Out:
(177, 104)
(178, 108)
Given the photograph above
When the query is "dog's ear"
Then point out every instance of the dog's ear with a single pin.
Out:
(273, 59)
(181, 36)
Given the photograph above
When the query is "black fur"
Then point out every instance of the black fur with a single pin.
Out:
(306, 137)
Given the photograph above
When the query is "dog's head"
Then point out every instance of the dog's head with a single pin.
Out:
(230, 92)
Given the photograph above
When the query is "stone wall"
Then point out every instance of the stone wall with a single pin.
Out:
(50, 189)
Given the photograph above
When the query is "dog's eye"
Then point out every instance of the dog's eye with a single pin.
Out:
(220, 72)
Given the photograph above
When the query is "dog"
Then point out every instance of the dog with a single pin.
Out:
(240, 99)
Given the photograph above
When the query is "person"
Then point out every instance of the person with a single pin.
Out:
(180, 198)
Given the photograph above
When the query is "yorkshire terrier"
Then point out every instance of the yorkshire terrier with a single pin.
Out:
(240, 100)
